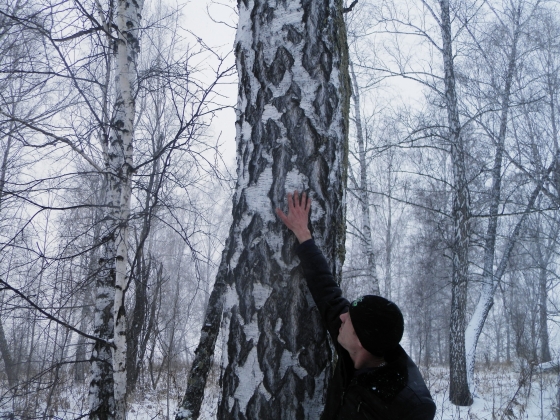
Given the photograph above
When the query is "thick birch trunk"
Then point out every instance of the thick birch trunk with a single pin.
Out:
(367, 242)
(108, 387)
(458, 391)
(486, 300)
(291, 133)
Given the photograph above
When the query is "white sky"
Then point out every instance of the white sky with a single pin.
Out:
(197, 18)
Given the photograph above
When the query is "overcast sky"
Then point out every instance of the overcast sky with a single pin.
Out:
(214, 23)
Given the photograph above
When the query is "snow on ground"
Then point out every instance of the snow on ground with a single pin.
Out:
(503, 392)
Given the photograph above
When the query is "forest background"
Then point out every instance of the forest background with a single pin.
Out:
(61, 84)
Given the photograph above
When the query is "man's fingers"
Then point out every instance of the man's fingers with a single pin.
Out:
(308, 205)
(282, 216)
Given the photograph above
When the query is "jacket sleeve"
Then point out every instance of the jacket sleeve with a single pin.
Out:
(326, 293)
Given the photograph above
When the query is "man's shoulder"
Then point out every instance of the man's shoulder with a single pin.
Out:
(401, 392)
(415, 395)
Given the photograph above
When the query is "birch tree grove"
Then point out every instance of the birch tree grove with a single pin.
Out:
(292, 119)
(130, 289)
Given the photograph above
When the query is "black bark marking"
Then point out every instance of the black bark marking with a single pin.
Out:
(244, 351)
(326, 102)
(283, 61)
(259, 408)
(292, 34)
(269, 346)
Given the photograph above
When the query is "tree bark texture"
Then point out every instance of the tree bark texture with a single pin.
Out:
(367, 241)
(292, 124)
(459, 390)
(108, 384)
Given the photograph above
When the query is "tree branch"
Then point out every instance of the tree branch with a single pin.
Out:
(52, 317)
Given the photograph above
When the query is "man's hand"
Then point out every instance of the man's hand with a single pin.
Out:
(298, 216)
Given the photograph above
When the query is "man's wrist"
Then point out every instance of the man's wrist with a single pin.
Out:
(303, 236)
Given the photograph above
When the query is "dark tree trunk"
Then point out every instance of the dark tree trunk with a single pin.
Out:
(459, 390)
(9, 364)
(204, 353)
(292, 119)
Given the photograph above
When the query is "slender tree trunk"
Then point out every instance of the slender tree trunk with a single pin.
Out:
(85, 314)
(141, 279)
(486, 299)
(558, 396)
(108, 387)
(545, 251)
(389, 232)
(545, 355)
(204, 353)
(4, 348)
(367, 241)
(459, 390)
(292, 124)
(9, 365)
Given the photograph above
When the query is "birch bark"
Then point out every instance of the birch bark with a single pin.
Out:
(292, 124)
(108, 385)
(458, 391)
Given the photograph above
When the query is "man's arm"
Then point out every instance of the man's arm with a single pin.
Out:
(326, 293)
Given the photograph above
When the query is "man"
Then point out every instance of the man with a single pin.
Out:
(374, 378)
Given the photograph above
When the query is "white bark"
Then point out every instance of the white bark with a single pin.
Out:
(291, 134)
(109, 403)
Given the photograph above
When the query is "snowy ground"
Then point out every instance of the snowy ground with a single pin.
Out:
(501, 393)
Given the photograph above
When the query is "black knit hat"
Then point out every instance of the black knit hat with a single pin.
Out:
(378, 323)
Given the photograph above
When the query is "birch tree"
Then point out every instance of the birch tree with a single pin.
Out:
(362, 191)
(474, 328)
(458, 390)
(292, 119)
(108, 383)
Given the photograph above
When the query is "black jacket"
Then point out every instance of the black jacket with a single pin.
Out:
(394, 391)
